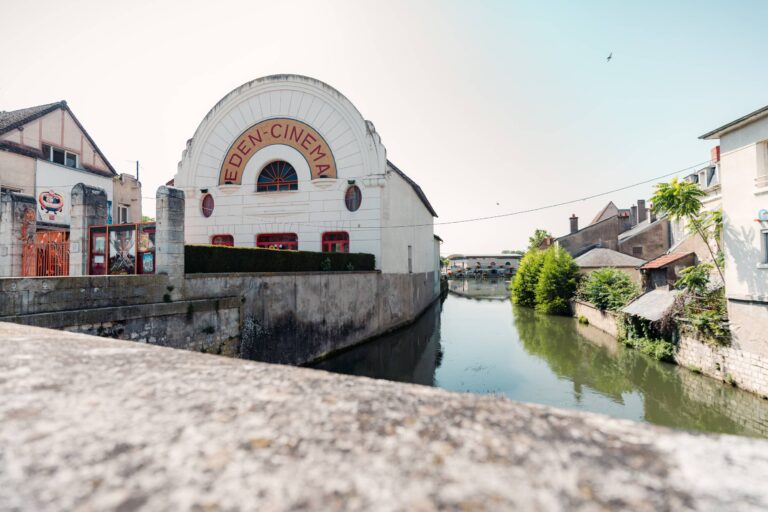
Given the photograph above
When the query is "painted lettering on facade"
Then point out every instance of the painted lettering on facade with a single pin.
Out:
(300, 136)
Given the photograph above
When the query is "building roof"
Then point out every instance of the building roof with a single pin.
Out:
(639, 228)
(665, 259)
(738, 123)
(11, 120)
(601, 257)
(416, 188)
(652, 305)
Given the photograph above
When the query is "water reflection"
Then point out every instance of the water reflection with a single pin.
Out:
(480, 288)
(487, 346)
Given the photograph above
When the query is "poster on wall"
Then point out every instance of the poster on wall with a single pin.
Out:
(51, 204)
(53, 192)
(122, 251)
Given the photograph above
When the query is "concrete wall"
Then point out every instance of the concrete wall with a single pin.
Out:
(17, 172)
(603, 320)
(284, 318)
(126, 191)
(654, 241)
(605, 233)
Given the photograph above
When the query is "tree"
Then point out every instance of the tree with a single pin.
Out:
(557, 282)
(681, 200)
(608, 288)
(534, 241)
(523, 287)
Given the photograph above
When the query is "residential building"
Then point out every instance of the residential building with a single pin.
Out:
(634, 231)
(45, 151)
(288, 162)
(599, 257)
(744, 195)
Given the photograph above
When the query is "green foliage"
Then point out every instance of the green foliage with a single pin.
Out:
(145, 218)
(640, 335)
(557, 282)
(695, 279)
(523, 285)
(678, 199)
(209, 259)
(534, 241)
(583, 320)
(608, 288)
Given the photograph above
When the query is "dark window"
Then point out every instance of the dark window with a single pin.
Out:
(637, 251)
(207, 205)
(337, 241)
(410, 259)
(226, 240)
(57, 156)
(353, 198)
(277, 176)
(764, 238)
(122, 214)
(70, 160)
(285, 241)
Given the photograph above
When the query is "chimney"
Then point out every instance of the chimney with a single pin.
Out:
(633, 216)
(642, 213)
(574, 223)
(714, 155)
(653, 214)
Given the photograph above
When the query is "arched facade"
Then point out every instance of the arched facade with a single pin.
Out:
(323, 139)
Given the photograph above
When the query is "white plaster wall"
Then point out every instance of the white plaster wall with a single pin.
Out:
(61, 179)
(318, 205)
(406, 221)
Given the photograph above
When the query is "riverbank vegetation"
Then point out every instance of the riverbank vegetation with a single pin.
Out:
(608, 289)
(546, 280)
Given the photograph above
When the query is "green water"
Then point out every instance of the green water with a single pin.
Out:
(480, 344)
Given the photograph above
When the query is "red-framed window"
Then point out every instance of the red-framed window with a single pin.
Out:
(277, 176)
(285, 241)
(226, 240)
(336, 241)
(206, 205)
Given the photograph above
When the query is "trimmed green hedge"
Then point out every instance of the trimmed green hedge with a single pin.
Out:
(212, 259)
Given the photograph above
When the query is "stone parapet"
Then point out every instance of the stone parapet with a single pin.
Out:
(94, 424)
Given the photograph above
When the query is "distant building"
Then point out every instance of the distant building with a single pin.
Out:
(633, 231)
(598, 258)
(743, 181)
(45, 151)
(483, 265)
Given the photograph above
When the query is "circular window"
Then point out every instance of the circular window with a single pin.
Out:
(207, 205)
(353, 198)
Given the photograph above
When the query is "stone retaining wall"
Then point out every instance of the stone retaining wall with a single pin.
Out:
(744, 369)
(94, 424)
(289, 318)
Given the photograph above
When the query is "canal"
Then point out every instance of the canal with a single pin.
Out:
(476, 341)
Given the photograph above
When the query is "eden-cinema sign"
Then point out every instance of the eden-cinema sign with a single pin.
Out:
(300, 136)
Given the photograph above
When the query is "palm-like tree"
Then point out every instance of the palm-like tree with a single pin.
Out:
(682, 200)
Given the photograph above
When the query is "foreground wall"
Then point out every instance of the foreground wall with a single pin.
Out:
(285, 318)
(94, 424)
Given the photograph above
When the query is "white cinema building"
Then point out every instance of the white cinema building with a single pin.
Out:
(288, 162)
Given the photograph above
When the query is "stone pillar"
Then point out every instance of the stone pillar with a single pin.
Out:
(89, 208)
(169, 237)
(17, 226)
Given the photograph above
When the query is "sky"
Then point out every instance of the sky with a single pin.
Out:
(493, 107)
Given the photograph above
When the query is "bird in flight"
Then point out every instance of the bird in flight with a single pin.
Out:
(610, 56)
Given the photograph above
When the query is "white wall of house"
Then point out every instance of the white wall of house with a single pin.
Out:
(744, 182)
(318, 205)
(59, 179)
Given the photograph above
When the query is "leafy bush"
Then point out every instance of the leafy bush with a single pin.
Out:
(701, 309)
(557, 282)
(608, 288)
(526, 278)
(641, 335)
(210, 259)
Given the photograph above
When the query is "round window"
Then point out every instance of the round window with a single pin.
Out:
(353, 198)
(207, 205)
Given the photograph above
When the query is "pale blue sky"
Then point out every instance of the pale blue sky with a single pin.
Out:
(480, 102)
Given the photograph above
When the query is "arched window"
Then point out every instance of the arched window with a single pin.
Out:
(287, 241)
(353, 198)
(277, 176)
(225, 240)
(337, 241)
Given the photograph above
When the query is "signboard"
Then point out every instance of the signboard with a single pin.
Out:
(53, 193)
(289, 132)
